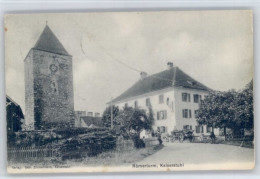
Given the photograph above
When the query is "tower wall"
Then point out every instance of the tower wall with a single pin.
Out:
(53, 89)
(29, 91)
(49, 94)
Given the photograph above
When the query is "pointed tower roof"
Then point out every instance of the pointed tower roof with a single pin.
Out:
(50, 43)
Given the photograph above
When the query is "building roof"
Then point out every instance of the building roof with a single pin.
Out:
(159, 81)
(90, 120)
(13, 107)
(50, 43)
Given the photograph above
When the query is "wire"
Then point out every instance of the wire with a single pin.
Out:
(119, 61)
(123, 63)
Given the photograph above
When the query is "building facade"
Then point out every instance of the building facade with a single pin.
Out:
(14, 116)
(174, 97)
(87, 119)
(48, 73)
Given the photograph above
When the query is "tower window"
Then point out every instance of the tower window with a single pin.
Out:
(53, 87)
(41, 58)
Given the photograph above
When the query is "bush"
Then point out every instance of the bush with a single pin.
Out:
(139, 143)
(72, 132)
(90, 144)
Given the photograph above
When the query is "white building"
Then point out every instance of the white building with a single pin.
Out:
(174, 97)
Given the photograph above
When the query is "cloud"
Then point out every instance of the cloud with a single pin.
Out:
(214, 47)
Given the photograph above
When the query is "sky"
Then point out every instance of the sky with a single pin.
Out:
(108, 49)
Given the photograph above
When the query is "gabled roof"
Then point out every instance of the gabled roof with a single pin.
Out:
(161, 80)
(50, 43)
(13, 107)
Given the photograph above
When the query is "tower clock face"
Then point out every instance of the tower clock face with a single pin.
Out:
(53, 68)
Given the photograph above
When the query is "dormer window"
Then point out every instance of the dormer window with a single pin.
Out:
(191, 82)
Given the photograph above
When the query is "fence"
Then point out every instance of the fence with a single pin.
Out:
(30, 152)
(124, 145)
(151, 142)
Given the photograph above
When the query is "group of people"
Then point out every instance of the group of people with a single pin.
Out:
(212, 137)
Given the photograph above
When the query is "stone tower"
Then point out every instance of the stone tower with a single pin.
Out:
(49, 99)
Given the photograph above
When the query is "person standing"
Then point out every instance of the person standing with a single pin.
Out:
(159, 138)
(212, 137)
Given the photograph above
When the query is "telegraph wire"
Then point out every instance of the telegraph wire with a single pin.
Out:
(123, 63)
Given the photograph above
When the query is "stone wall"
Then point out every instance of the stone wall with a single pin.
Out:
(52, 88)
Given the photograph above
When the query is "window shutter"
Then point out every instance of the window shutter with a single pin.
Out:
(158, 115)
(190, 113)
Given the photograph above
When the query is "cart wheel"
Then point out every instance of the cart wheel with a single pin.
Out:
(174, 139)
(192, 139)
(200, 139)
(181, 138)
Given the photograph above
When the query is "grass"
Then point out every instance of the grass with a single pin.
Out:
(111, 158)
(115, 158)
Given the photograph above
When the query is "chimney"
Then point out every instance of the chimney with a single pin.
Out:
(170, 65)
(143, 75)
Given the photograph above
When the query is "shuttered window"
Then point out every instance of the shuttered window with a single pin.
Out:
(161, 99)
(186, 97)
(162, 115)
(186, 113)
(148, 102)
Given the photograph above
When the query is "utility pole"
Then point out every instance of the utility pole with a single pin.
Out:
(111, 108)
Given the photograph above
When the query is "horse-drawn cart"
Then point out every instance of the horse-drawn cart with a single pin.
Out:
(182, 135)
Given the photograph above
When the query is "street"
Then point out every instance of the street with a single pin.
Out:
(193, 155)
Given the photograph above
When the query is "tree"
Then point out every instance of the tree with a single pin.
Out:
(150, 120)
(245, 108)
(228, 110)
(217, 110)
(106, 117)
(131, 121)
